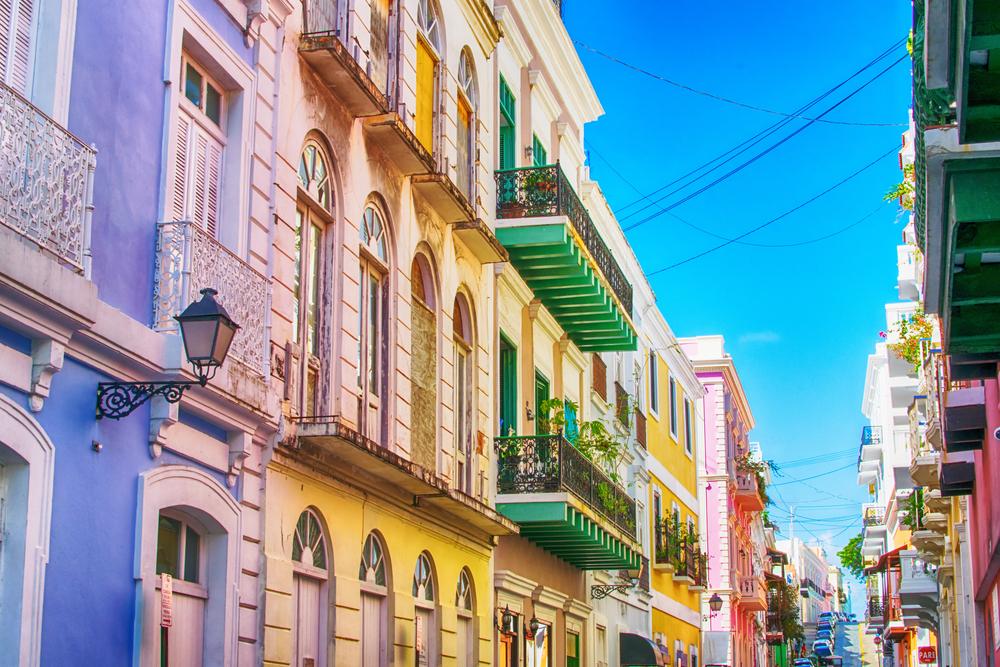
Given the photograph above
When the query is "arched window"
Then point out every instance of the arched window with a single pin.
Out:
(313, 210)
(465, 604)
(373, 325)
(374, 604)
(466, 142)
(423, 364)
(429, 49)
(426, 630)
(309, 591)
(464, 393)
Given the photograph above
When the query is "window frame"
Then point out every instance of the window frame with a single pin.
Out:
(673, 406)
(654, 384)
(468, 94)
(186, 522)
(371, 265)
(688, 426)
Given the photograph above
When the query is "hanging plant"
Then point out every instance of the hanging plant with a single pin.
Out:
(911, 331)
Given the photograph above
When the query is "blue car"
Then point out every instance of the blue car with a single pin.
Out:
(822, 648)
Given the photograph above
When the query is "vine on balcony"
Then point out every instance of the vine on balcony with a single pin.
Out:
(745, 463)
(911, 331)
(904, 191)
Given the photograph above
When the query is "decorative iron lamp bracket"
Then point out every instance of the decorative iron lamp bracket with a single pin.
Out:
(207, 331)
(601, 591)
(117, 400)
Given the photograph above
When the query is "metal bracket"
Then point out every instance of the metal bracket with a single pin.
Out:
(116, 400)
(601, 591)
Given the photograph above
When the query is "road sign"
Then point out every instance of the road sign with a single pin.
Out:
(166, 600)
(927, 655)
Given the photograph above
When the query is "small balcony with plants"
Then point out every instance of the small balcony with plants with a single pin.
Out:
(750, 494)
(565, 495)
(927, 529)
(753, 592)
(873, 525)
(46, 183)
(871, 444)
(556, 248)
(676, 549)
(918, 590)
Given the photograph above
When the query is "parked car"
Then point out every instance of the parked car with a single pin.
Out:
(822, 648)
(803, 662)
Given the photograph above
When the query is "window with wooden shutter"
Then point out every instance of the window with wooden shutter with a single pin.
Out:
(507, 125)
(17, 32)
(199, 146)
(538, 152)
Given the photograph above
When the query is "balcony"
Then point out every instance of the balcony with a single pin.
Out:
(958, 478)
(753, 593)
(871, 443)
(557, 250)
(975, 32)
(918, 591)
(401, 145)
(690, 565)
(333, 448)
(564, 503)
(748, 496)
(338, 67)
(931, 380)
(189, 259)
(935, 503)
(924, 468)
(46, 182)
(908, 273)
(873, 518)
(875, 610)
(640, 429)
(965, 419)
(868, 472)
(665, 544)
(480, 239)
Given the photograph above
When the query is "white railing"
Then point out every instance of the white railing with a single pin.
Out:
(189, 259)
(46, 181)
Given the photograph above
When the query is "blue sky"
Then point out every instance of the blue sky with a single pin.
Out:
(799, 321)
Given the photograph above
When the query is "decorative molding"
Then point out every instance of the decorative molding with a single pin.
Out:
(240, 443)
(508, 581)
(577, 609)
(47, 358)
(546, 596)
(162, 415)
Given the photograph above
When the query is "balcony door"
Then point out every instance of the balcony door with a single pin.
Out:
(541, 395)
(464, 393)
(373, 324)
(428, 58)
(508, 388)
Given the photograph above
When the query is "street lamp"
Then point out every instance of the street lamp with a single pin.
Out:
(506, 622)
(533, 625)
(715, 603)
(207, 331)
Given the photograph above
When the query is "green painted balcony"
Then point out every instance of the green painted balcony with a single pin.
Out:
(977, 36)
(565, 503)
(557, 250)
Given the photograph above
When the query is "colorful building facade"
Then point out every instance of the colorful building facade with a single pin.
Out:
(731, 500)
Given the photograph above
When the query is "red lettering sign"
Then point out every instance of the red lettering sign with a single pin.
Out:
(166, 600)
(927, 655)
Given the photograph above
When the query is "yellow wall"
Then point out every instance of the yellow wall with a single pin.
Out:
(660, 442)
(672, 629)
(349, 516)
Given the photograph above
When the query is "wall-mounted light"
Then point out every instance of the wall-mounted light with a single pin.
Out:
(627, 580)
(506, 621)
(529, 415)
(207, 331)
(534, 624)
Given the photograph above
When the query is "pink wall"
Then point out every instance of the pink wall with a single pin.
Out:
(984, 504)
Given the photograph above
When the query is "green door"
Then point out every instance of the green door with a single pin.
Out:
(572, 649)
(508, 388)
(541, 395)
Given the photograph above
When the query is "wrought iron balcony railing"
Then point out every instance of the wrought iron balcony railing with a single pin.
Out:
(187, 259)
(673, 545)
(550, 464)
(875, 607)
(871, 435)
(46, 181)
(873, 516)
(531, 192)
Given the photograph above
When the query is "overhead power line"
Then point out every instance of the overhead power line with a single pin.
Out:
(761, 226)
(759, 155)
(745, 145)
(722, 98)
(795, 480)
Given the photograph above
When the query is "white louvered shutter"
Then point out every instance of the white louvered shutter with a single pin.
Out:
(207, 171)
(16, 43)
(182, 149)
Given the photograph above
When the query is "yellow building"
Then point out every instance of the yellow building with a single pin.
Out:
(379, 522)
(672, 433)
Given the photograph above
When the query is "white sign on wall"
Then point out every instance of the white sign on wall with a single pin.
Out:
(166, 600)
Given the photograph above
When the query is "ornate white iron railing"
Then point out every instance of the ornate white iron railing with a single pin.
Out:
(46, 181)
(188, 259)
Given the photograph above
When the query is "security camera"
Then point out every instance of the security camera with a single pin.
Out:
(996, 433)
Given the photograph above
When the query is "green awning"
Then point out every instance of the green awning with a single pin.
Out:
(565, 531)
(638, 651)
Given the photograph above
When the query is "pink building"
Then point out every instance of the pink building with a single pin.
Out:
(731, 504)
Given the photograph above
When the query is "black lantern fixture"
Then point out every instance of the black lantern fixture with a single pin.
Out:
(207, 331)
(533, 625)
(507, 621)
(715, 603)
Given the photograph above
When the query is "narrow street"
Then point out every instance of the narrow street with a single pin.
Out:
(852, 645)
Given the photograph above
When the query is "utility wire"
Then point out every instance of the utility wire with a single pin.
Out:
(761, 226)
(722, 98)
(759, 136)
(745, 243)
(759, 155)
(795, 480)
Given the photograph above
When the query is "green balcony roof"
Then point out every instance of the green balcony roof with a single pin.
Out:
(979, 82)
(552, 262)
(973, 265)
(565, 531)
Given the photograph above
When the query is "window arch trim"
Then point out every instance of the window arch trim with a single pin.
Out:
(303, 536)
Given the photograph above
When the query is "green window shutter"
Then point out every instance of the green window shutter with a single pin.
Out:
(506, 147)
(506, 102)
(508, 388)
(538, 152)
(572, 427)
(541, 395)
